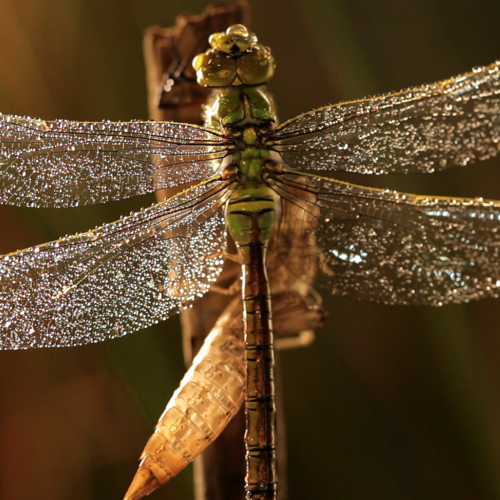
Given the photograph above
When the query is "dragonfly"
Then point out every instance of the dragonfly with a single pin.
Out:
(238, 178)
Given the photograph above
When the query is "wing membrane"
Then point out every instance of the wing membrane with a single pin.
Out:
(65, 163)
(423, 129)
(117, 278)
(397, 248)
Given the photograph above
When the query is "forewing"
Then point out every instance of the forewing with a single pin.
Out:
(115, 279)
(423, 129)
(65, 163)
(396, 248)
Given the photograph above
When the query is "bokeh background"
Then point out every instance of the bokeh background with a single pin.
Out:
(392, 403)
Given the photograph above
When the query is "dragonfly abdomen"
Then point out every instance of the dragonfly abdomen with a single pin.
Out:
(250, 216)
(260, 439)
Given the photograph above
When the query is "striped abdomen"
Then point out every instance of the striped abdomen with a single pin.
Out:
(250, 216)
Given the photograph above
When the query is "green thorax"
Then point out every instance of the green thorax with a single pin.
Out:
(238, 106)
(251, 210)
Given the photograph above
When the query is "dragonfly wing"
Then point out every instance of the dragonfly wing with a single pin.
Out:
(66, 163)
(117, 278)
(423, 129)
(396, 248)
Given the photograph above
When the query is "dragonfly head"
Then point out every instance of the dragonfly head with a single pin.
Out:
(234, 58)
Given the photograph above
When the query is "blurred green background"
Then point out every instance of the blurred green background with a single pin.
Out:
(392, 403)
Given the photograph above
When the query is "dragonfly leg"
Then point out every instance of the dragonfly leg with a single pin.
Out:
(232, 289)
(301, 316)
(302, 339)
(233, 257)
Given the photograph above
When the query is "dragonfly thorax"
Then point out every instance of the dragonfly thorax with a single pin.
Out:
(251, 209)
(239, 106)
(250, 162)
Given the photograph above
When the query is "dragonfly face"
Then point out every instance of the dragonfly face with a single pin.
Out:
(371, 244)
